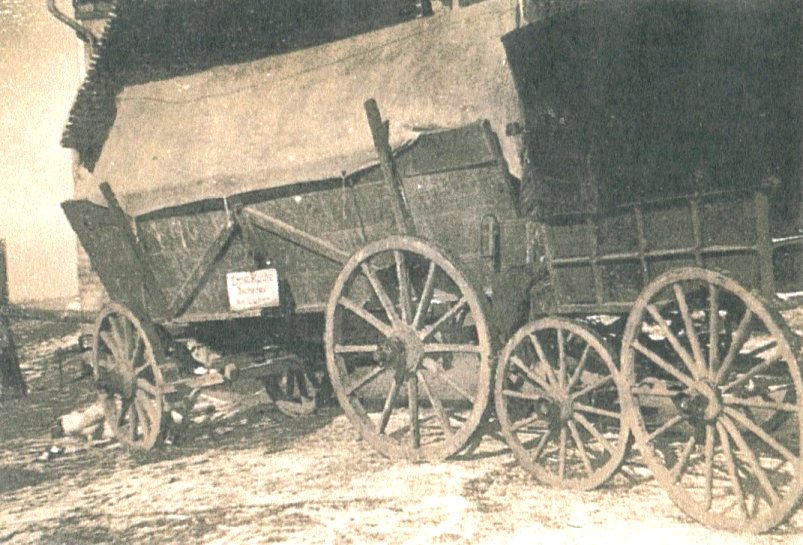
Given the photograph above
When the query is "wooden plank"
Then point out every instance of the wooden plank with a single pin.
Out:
(764, 244)
(200, 272)
(122, 221)
(298, 237)
(379, 132)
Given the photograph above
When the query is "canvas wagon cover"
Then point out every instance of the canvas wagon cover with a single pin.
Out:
(299, 116)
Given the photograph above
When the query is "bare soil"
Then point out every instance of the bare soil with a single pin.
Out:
(248, 474)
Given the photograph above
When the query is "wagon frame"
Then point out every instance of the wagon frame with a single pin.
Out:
(654, 322)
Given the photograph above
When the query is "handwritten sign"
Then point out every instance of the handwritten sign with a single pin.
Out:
(254, 289)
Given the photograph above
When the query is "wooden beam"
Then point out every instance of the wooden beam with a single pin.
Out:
(200, 272)
(381, 136)
(122, 221)
(314, 244)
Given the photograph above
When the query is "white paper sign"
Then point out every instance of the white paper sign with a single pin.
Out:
(254, 289)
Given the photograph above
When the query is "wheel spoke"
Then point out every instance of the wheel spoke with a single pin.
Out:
(691, 333)
(147, 387)
(366, 316)
(757, 430)
(580, 366)
(356, 348)
(381, 294)
(594, 410)
(524, 422)
(713, 328)
(387, 409)
(673, 340)
(562, 453)
(539, 448)
(531, 396)
(709, 465)
(675, 420)
(403, 275)
(133, 421)
(758, 471)
(412, 398)
(144, 417)
(677, 470)
(539, 350)
(433, 368)
(761, 404)
(760, 368)
(137, 353)
(125, 406)
(593, 386)
(426, 296)
(113, 347)
(663, 364)
(430, 348)
(738, 340)
(119, 336)
(584, 422)
(731, 467)
(581, 449)
(535, 379)
(448, 315)
(436, 405)
(364, 379)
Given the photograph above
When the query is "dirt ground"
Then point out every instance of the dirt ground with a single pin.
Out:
(248, 474)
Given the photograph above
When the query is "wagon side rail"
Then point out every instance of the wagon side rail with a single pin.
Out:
(598, 261)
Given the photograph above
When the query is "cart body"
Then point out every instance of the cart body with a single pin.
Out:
(452, 179)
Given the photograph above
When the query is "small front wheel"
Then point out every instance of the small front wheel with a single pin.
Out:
(125, 362)
(557, 395)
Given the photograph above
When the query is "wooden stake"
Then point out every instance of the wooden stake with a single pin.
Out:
(380, 134)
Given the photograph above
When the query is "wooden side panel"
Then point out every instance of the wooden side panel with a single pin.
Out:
(111, 256)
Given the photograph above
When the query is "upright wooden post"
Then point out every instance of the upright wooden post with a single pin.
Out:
(3, 274)
(12, 383)
(379, 131)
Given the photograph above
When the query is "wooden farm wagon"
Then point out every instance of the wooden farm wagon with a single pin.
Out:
(621, 282)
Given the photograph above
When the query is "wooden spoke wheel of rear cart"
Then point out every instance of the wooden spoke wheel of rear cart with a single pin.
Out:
(408, 349)
(125, 360)
(715, 403)
(294, 391)
(557, 395)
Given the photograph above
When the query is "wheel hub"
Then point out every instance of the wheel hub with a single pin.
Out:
(703, 403)
(556, 411)
(117, 381)
(403, 352)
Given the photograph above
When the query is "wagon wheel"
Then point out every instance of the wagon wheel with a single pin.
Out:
(125, 356)
(705, 402)
(558, 403)
(408, 349)
(294, 391)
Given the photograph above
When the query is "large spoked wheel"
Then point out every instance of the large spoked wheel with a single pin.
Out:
(408, 349)
(125, 358)
(558, 404)
(714, 397)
